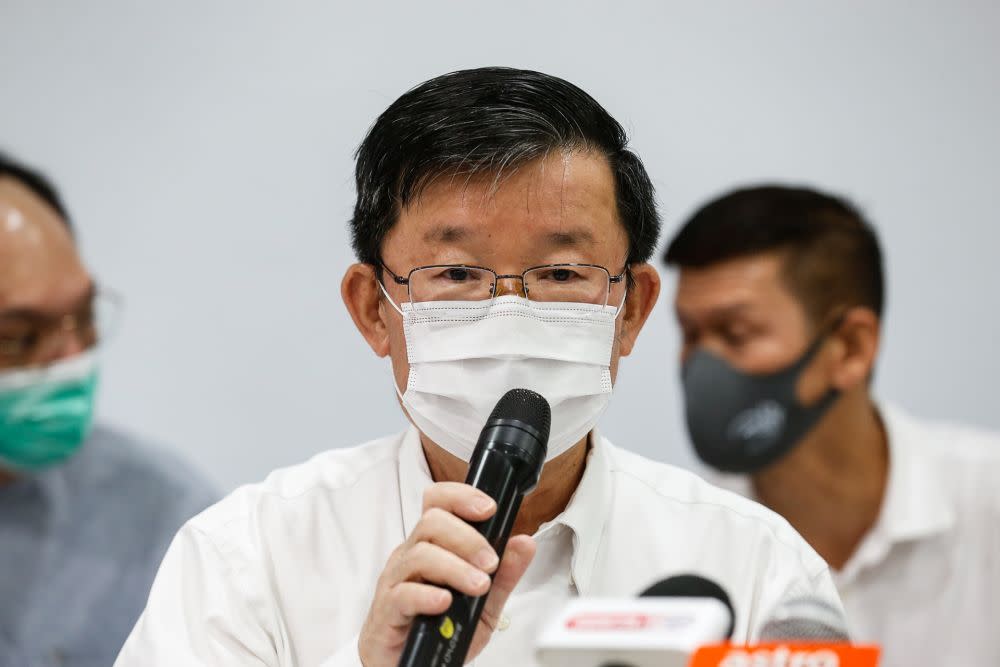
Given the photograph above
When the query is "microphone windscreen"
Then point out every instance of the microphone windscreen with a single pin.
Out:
(526, 406)
(692, 586)
(806, 619)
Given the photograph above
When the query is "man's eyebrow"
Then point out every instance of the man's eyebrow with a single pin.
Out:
(17, 314)
(714, 314)
(446, 234)
(567, 238)
(35, 314)
(731, 310)
(570, 238)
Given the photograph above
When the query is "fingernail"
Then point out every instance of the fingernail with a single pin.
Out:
(478, 579)
(486, 559)
(483, 505)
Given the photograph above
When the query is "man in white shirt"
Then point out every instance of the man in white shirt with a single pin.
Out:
(780, 300)
(503, 229)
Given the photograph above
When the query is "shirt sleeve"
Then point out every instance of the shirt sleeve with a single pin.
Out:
(199, 613)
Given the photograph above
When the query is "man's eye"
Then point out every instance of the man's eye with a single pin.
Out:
(457, 275)
(560, 275)
(18, 343)
(735, 337)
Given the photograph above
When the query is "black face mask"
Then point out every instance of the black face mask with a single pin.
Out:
(742, 423)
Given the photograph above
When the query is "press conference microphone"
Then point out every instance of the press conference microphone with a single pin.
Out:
(663, 627)
(506, 465)
(805, 619)
(803, 631)
(692, 586)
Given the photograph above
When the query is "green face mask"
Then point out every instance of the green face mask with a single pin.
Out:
(46, 413)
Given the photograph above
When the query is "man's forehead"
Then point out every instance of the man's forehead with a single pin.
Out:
(26, 217)
(18, 230)
(38, 258)
(740, 281)
(564, 201)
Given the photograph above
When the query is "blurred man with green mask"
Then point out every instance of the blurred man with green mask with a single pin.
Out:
(85, 513)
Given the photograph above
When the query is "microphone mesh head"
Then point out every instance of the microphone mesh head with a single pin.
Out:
(806, 619)
(691, 586)
(527, 406)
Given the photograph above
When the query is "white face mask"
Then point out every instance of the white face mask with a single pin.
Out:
(464, 355)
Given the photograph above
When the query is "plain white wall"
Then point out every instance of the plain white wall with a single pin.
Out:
(205, 150)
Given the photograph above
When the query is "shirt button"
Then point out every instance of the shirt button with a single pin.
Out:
(503, 623)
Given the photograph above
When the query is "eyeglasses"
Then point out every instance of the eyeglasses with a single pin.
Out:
(29, 339)
(563, 283)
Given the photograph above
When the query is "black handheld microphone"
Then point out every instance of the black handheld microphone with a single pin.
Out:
(692, 586)
(505, 465)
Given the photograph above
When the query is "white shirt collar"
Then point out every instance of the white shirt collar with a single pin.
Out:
(586, 514)
(915, 505)
(414, 478)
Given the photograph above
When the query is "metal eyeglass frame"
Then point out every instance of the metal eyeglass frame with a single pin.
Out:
(69, 324)
(399, 280)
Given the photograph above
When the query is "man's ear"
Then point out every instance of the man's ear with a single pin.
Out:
(857, 340)
(363, 299)
(639, 303)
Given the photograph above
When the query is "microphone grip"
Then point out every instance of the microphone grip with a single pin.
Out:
(444, 639)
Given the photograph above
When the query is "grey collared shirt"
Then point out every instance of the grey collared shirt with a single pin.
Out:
(80, 544)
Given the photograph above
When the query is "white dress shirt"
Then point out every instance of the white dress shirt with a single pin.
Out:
(923, 583)
(283, 572)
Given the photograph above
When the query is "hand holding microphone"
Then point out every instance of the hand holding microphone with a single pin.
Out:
(443, 550)
(435, 598)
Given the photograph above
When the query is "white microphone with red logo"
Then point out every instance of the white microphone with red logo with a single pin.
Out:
(686, 621)
(661, 628)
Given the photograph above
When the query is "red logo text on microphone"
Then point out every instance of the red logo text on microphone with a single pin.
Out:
(786, 655)
(626, 621)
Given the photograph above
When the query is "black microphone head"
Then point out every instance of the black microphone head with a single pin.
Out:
(518, 428)
(692, 586)
(525, 406)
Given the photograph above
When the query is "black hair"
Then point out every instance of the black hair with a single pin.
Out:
(35, 181)
(486, 121)
(832, 254)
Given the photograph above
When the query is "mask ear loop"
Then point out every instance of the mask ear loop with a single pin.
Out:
(389, 298)
(397, 309)
(621, 306)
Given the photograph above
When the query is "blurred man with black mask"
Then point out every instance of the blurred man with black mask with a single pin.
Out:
(780, 301)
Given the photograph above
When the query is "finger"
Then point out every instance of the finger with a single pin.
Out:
(446, 530)
(433, 564)
(516, 559)
(462, 500)
(409, 599)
